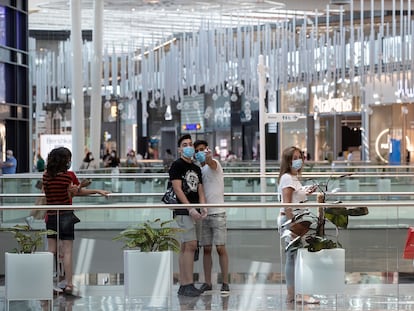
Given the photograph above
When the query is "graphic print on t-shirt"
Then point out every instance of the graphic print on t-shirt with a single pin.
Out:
(191, 181)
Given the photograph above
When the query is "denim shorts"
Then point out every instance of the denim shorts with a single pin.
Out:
(66, 228)
(214, 230)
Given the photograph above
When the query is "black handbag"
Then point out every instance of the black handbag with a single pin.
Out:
(169, 196)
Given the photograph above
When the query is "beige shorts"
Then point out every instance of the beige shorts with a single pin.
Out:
(187, 223)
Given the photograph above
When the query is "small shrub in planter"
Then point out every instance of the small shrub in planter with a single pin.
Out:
(151, 236)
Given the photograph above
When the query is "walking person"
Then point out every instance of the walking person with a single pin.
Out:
(186, 179)
(60, 186)
(291, 191)
(214, 226)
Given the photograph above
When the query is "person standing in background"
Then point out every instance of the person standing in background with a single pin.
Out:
(112, 160)
(40, 164)
(186, 180)
(89, 162)
(168, 159)
(131, 160)
(214, 226)
(10, 165)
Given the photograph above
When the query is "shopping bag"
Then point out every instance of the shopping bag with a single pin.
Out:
(39, 214)
(409, 244)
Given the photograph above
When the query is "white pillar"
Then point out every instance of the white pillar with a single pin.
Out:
(261, 69)
(78, 122)
(96, 101)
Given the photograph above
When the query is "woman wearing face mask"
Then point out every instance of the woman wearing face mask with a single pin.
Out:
(60, 185)
(291, 191)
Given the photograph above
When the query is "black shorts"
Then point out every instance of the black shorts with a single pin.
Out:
(66, 228)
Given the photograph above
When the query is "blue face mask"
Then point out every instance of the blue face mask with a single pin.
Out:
(200, 156)
(297, 164)
(69, 164)
(188, 152)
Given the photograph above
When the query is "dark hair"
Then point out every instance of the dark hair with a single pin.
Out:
(86, 159)
(286, 162)
(200, 142)
(57, 161)
(185, 136)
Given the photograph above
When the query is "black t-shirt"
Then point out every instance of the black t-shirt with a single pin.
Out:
(190, 174)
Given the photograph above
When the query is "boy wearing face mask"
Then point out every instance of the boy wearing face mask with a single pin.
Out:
(292, 191)
(214, 228)
(186, 179)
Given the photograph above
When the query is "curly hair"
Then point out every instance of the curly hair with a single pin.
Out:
(286, 163)
(57, 161)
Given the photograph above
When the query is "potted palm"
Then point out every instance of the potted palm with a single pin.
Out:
(148, 258)
(28, 272)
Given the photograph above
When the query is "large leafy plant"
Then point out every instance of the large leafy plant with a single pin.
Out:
(28, 240)
(151, 236)
(309, 229)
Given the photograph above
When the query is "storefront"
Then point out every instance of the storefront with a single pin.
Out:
(391, 119)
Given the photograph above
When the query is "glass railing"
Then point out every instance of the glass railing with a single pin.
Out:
(373, 243)
(146, 190)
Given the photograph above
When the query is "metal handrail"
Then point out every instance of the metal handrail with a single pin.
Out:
(230, 194)
(222, 205)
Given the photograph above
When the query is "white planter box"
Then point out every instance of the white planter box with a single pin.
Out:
(148, 274)
(320, 272)
(29, 276)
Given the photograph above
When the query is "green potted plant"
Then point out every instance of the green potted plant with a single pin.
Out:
(320, 263)
(28, 272)
(148, 259)
(28, 240)
(151, 236)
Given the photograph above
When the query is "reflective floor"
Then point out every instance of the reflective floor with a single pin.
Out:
(256, 283)
(242, 297)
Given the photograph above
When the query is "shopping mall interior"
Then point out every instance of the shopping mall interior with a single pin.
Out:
(251, 78)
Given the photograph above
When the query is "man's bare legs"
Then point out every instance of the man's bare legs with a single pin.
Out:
(186, 262)
(208, 263)
(224, 262)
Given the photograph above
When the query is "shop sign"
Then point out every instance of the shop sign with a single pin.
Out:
(404, 90)
(329, 105)
(282, 117)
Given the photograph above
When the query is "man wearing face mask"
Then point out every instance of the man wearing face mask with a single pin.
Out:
(214, 228)
(9, 166)
(291, 191)
(185, 177)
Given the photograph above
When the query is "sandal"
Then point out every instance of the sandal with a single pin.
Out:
(308, 300)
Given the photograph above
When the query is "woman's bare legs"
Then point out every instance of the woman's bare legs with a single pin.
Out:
(67, 248)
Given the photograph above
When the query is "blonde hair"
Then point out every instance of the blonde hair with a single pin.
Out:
(286, 163)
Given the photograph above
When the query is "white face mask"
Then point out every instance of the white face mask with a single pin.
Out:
(297, 164)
